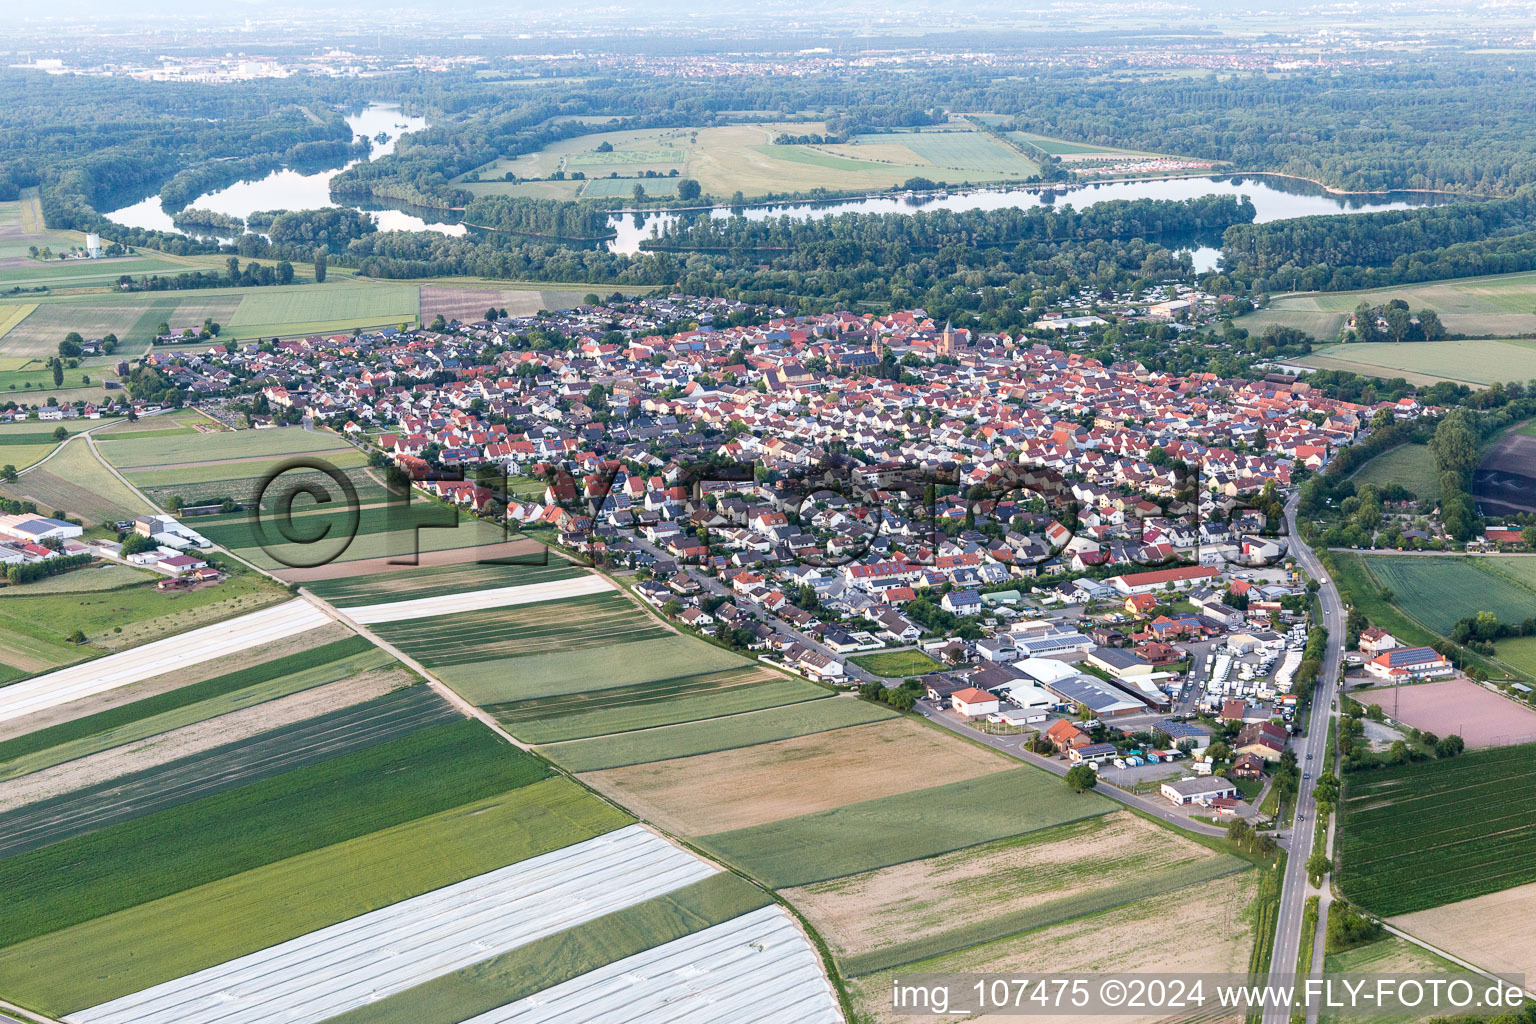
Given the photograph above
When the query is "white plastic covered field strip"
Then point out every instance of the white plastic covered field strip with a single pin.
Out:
(162, 656)
(755, 968)
(478, 600)
(339, 968)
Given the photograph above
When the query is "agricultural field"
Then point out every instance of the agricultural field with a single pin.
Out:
(858, 837)
(284, 896)
(526, 592)
(21, 227)
(1504, 482)
(569, 954)
(457, 302)
(1417, 836)
(1063, 148)
(435, 581)
(133, 451)
(1134, 937)
(730, 158)
(1473, 361)
(314, 976)
(1439, 591)
(730, 707)
(745, 787)
(1495, 932)
(225, 694)
(1411, 465)
(1497, 304)
(268, 625)
(551, 662)
(897, 915)
(780, 979)
(796, 710)
(340, 304)
(76, 481)
(896, 664)
(50, 807)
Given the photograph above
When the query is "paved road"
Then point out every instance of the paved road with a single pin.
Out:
(1013, 747)
(1293, 894)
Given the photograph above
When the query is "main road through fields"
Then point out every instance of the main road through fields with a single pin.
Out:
(1293, 894)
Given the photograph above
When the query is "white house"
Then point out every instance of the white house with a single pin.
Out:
(974, 703)
(1181, 792)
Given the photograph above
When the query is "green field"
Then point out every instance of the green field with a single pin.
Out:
(147, 943)
(896, 664)
(725, 159)
(549, 961)
(437, 581)
(338, 305)
(1497, 304)
(327, 307)
(131, 615)
(663, 703)
(76, 481)
(1061, 147)
(569, 624)
(135, 451)
(593, 665)
(1439, 591)
(1474, 361)
(96, 576)
(198, 702)
(703, 737)
(1411, 465)
(1417, 836)
(894, 829)
(147, 858)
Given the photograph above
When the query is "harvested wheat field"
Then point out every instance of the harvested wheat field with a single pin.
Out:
(1496, 932)
(924, 898)
(748, 786)
(1197, 930)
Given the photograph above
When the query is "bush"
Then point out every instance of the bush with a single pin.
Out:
(1347, 928)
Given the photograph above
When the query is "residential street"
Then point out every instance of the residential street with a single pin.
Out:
(1013, 746)
(1293, 895)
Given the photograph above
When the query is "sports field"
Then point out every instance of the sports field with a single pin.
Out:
(1417, 836)
(1476, 361)
(730, 158)
(1497, 304)
(1461, 706)
(895, 664)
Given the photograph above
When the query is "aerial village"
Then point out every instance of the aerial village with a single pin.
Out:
(1124, 597)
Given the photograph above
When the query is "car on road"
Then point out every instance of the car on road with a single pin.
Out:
(1309, 757)
(1306, 775)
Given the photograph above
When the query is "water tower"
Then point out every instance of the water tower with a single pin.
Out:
(93, 245)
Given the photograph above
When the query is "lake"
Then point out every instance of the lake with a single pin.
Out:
(292, 190)
(1274, 198)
